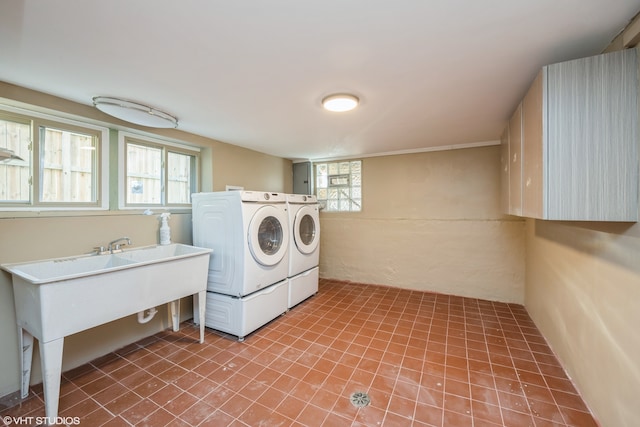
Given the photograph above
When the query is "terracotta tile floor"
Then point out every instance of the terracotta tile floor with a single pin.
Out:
(424, 359)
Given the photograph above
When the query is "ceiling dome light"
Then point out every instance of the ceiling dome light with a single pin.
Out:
(134, 112)
(340, 102)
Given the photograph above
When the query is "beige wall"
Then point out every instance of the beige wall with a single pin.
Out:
(249, 169)
(39, 236)
(430, 221)
(583, 292)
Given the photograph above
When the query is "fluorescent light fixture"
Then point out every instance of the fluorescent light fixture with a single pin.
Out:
(134, 112)
(340, 102)
(7, 155)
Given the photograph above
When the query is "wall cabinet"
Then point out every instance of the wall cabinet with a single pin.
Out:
(504, 171)
(515, 162)
(573, 142)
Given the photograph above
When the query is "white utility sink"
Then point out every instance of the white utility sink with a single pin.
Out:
(55, 298)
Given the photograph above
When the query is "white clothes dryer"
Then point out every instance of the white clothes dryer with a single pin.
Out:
(249, 234)
(304, 249)
(247, 280)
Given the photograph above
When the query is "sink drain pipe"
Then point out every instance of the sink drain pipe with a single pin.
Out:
(144, 319)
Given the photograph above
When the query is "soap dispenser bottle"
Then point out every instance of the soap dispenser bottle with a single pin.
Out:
(165, 231)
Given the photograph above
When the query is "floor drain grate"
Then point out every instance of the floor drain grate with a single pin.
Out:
(360, 399)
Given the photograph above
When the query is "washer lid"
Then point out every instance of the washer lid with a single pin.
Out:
(306, 229)
(268, 235)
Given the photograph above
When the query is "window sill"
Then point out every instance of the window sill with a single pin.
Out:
(42, 213)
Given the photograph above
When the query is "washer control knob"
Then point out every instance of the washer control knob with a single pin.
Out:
(267, 196)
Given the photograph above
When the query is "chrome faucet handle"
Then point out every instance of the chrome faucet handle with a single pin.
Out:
(126, 241)
(100, 250)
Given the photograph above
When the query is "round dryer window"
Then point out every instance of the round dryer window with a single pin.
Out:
(268, 237)
(306, 230)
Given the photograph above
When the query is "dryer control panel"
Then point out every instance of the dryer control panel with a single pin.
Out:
(262, 197)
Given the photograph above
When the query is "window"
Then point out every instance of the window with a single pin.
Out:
(59, 166)
(339, 186)
(157, 173)
(68, 165)
(15, 175)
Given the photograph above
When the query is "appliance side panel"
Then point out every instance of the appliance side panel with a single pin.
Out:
(217, 224)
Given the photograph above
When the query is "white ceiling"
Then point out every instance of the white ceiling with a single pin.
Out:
(429, 73)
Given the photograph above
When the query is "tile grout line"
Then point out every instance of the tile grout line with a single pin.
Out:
(493, 376)
(362, 314)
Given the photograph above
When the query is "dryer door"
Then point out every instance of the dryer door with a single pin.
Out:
(268, 235)
(306, 229)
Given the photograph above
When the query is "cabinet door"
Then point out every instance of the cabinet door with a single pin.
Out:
(504, 167)
(592, 138)
(533, 150)
(515, 162)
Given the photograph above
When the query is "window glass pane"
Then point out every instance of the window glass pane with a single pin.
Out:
(144, 174)
(340, 183)
(14, 174)
(157, 172)
(343, 193)
(344, 167)
(179, 174)
(67, 166)
(58, 164)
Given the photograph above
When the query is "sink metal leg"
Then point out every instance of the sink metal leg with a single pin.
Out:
(26, 346)
(174, 309)
(199, 301)
(196, 309)
(51, 359)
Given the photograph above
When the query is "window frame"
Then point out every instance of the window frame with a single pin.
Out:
(100, 179)
(166, 146)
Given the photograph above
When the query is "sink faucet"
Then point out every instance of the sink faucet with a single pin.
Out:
(117, 247)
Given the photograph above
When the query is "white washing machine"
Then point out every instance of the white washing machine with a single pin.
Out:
(249, 234)
(304, 249)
